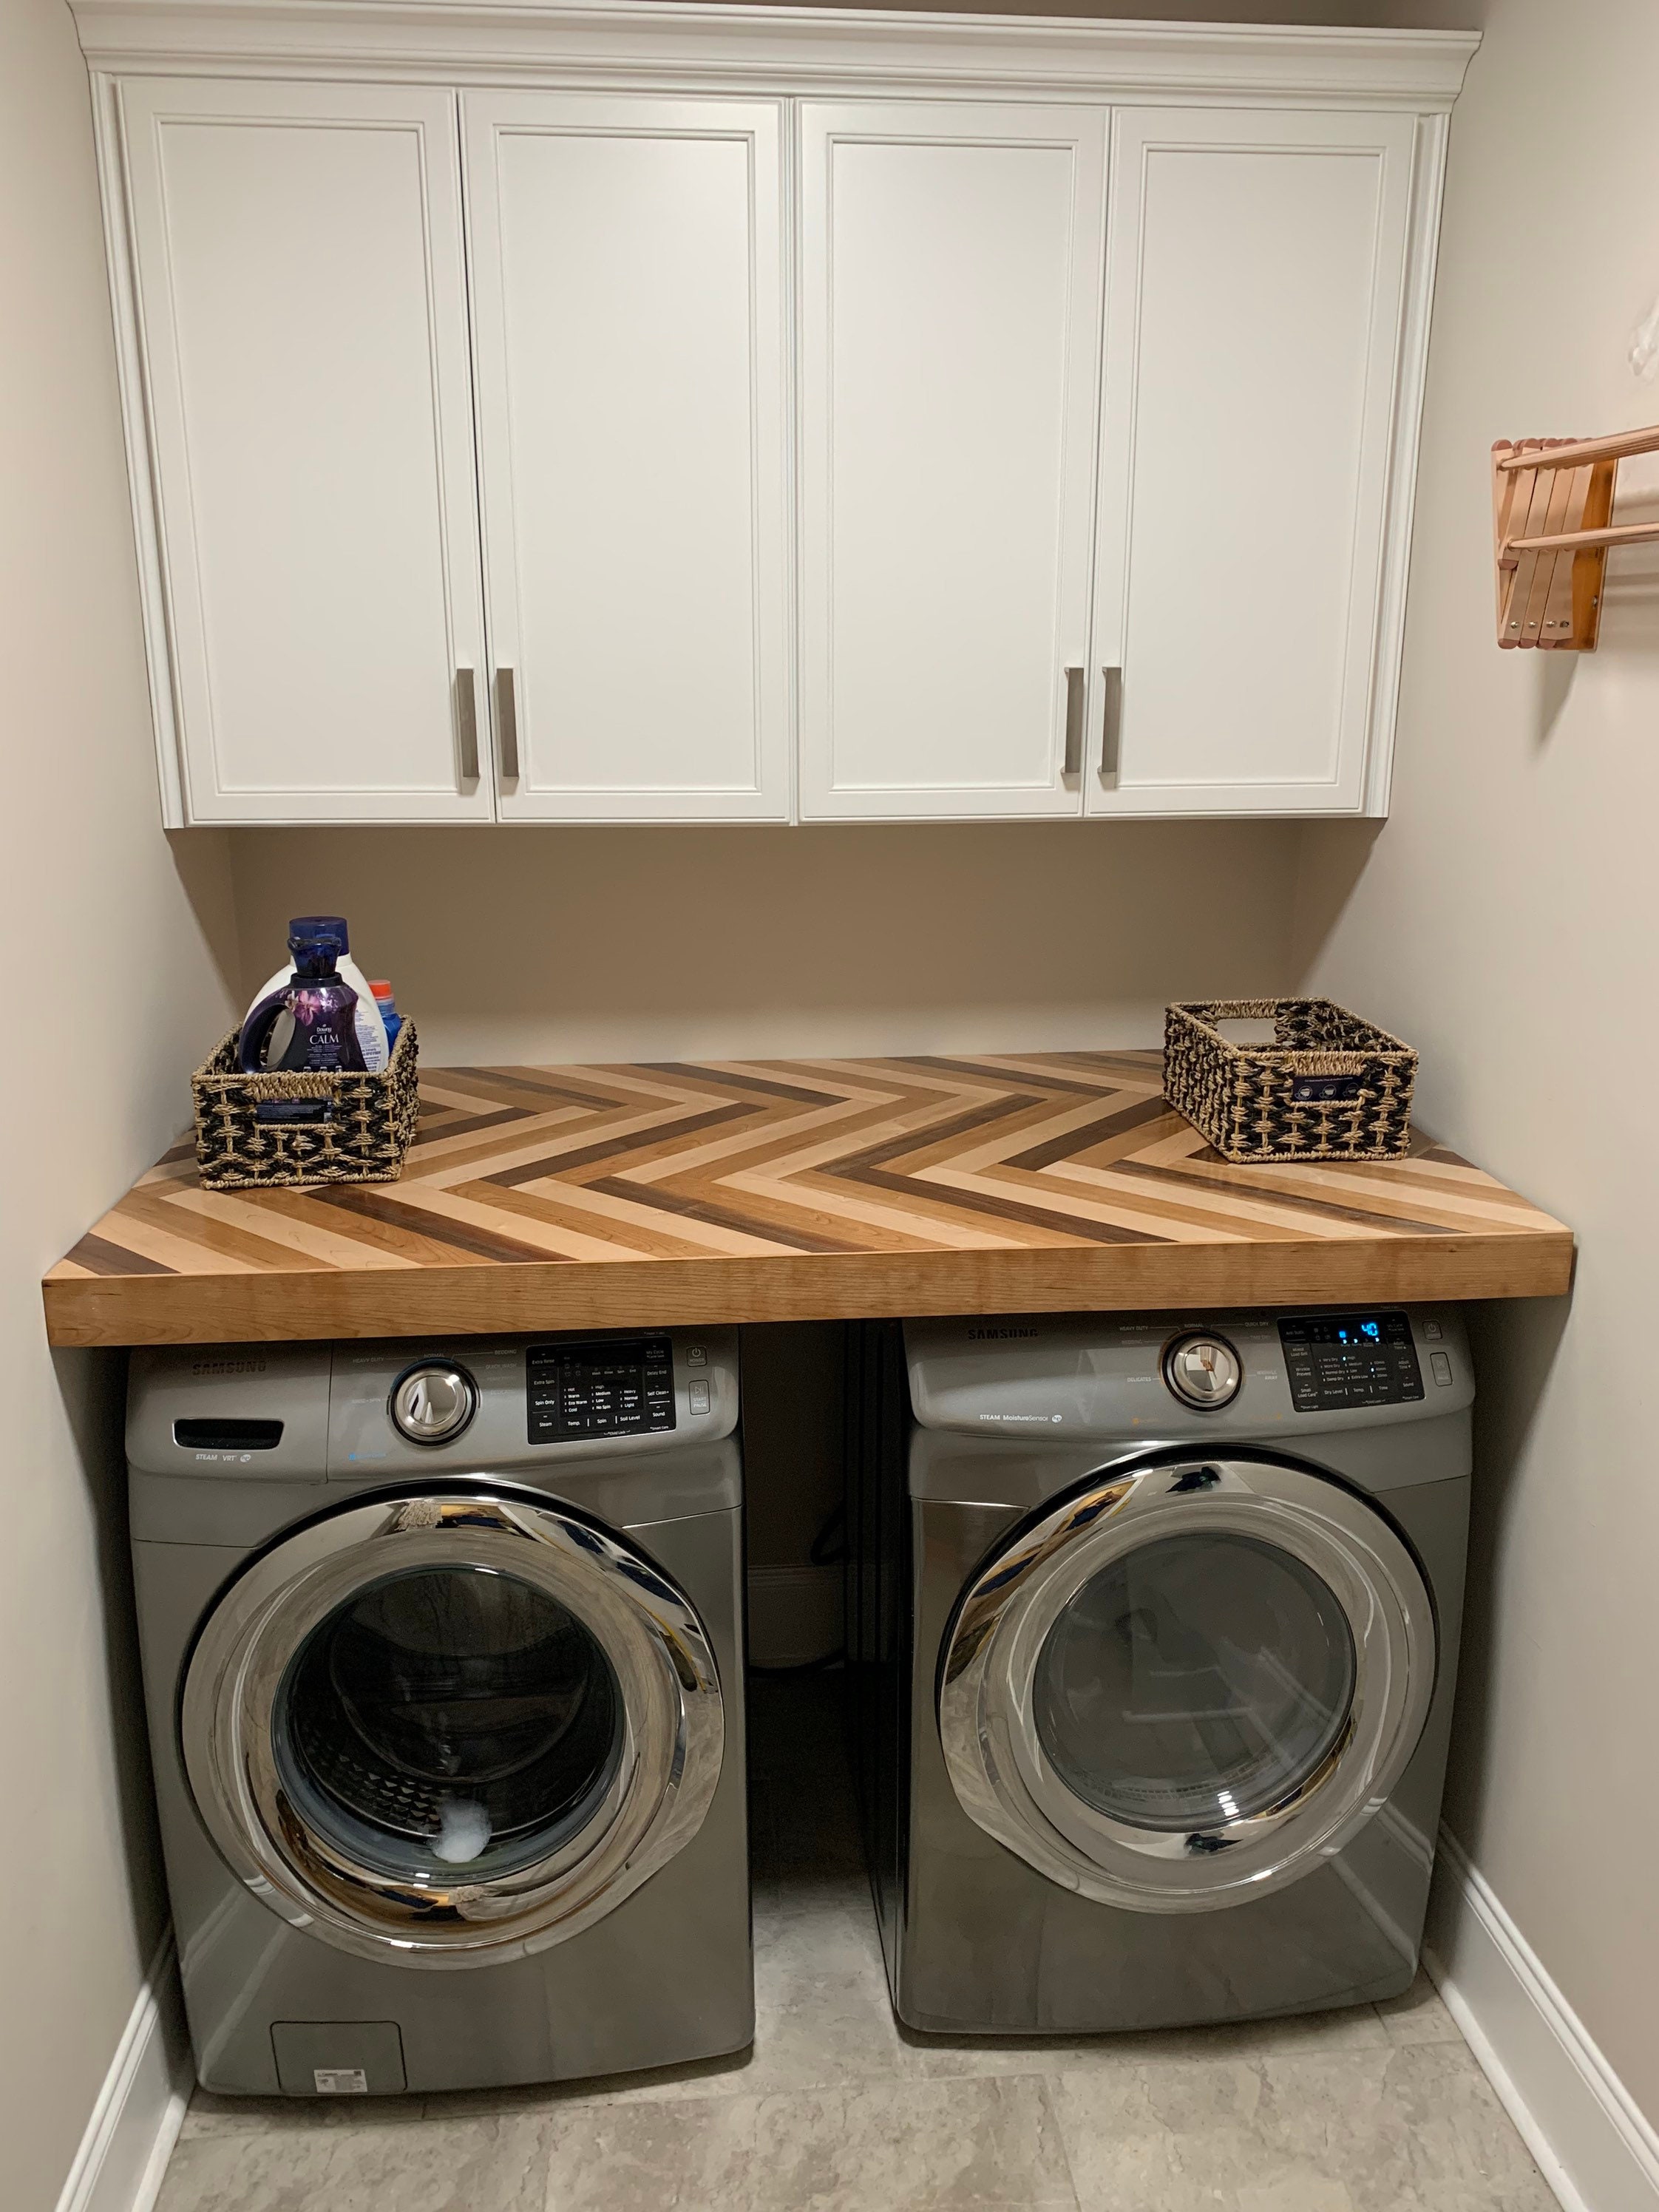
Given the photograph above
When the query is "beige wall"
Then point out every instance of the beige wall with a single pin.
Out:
(111, 993)
(646, 943)
(1505, 921)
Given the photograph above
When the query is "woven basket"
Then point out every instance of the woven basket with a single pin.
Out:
(370, 1122)
(1331, 1087)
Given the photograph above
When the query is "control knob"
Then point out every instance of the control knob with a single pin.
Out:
(1203, 1371)
(433, 1402)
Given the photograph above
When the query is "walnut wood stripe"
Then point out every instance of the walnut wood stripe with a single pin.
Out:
(677, 1191)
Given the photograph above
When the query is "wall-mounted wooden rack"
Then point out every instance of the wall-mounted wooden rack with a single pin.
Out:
(1551, 504)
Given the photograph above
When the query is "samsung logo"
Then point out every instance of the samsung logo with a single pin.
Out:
(228, 1367)
(998, 1335)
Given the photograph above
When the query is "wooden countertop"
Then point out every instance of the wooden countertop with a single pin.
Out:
(784, 1190)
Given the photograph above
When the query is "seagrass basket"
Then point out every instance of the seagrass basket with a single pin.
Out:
(1330, 1086)
(366, 1131)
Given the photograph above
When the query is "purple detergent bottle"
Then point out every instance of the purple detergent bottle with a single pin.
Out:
(311, 1022)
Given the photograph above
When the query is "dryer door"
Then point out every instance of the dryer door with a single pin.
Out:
(1187, 1682)
(450, 1728)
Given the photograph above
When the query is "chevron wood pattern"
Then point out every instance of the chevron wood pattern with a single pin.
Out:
(623, 1196)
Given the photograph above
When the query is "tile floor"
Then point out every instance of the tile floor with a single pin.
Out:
(836, 2110)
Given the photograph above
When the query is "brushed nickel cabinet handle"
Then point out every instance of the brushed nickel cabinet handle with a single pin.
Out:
(507, 718)
(467, 721)
(1074, 697)
(1111, 724)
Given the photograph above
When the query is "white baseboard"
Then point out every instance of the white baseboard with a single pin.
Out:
(1594, 2146)
(141, 2107)
(795, 1615)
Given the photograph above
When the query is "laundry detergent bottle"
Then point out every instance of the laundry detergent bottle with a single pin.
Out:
(310, 1021)
(371, 1040)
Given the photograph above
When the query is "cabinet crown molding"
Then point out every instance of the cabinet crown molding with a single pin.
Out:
(788, 47)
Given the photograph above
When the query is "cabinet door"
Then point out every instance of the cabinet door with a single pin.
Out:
(627, 264)
(951, 282)
(301, 304)
(1253, 289)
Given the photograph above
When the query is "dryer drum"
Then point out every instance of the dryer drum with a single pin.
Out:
(1174, 1695)
(1198, 1676)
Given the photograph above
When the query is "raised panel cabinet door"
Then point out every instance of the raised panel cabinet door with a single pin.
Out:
(949, 317)
(1256, 265)
(627, 257)
(300, 301)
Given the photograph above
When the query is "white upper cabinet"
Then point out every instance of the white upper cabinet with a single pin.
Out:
(949, 318)
(1256, 269)
(300, 302)
(569, 412)
(630, 339)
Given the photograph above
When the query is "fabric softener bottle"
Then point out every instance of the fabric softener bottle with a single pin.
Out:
(311, 1022)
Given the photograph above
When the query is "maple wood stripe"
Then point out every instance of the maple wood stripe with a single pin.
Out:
(917, 1225)
(367, 1198)
(978, 1071)
(509, 1086)
(1074, 1141)
(792, 1239)
(739, 1077)
(468, 1125)
(613, 1150)
(929, 1136)
(99, 1257)
(178, 1216)
(1074, 1227)
(633, 1226)
(1382, 1225)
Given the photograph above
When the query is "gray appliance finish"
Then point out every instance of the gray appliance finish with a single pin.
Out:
(443, 1659)
(1154, 1622)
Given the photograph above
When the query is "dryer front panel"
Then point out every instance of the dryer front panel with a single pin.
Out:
(451, 1726)
(1189, 1681)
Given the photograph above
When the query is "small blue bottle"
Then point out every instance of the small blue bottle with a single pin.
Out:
(320, 1033)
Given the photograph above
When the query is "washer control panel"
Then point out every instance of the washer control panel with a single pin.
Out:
(1336, 1362)
(609, 1388)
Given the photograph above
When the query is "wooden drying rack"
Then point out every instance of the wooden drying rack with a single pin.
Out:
(1551, 504)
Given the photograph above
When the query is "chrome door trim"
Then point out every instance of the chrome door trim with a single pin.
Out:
(1000, 1772)
(673, 1726)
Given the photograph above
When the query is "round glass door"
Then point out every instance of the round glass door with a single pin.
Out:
(1198, 1678)
(459, 1727)
(452, 1717)
(1184, 1684)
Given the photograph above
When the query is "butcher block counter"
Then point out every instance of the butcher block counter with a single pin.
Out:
(554, 1198)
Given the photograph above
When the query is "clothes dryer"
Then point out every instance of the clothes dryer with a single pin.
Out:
(443, 1658)
(1155, 1622)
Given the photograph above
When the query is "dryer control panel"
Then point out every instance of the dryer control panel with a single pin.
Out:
(1165, 1377)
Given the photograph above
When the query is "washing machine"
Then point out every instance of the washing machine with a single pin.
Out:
(1155, 1625)
(443, 1658)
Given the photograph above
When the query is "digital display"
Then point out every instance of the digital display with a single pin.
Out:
(1334, 1361)
(621, 1388)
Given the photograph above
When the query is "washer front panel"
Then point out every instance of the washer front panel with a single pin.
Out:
(993, 1746)
(646, 1805)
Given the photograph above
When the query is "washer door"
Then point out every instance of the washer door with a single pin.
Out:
(1188, 1682)
(450, 1728)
